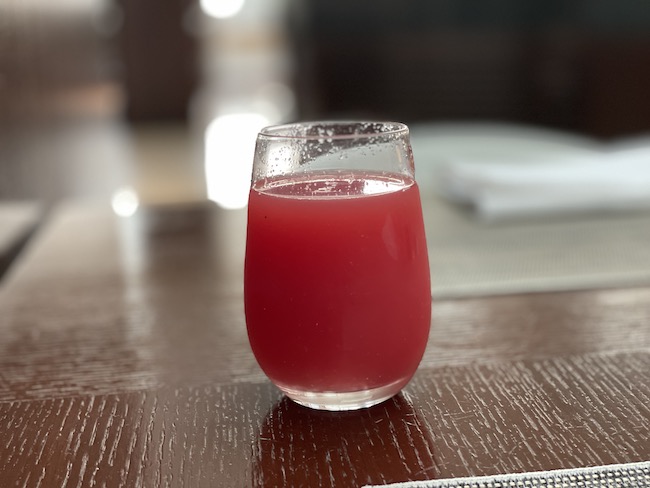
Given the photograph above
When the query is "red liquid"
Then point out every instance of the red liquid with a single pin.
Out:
(337, 288)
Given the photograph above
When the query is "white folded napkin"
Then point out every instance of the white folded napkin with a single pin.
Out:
(608, 180)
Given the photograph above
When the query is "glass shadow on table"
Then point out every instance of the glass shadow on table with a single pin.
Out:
(387, 443)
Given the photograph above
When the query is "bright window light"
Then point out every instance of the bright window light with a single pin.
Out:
(125, 202)
(229, 147)
(222, 9)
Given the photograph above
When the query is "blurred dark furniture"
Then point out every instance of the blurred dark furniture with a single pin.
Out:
(577, 65)
(159, 57)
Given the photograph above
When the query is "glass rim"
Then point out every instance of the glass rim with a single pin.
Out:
(297, 130)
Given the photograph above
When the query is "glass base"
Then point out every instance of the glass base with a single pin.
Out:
(349, 400)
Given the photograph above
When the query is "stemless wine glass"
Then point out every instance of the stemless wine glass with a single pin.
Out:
(337, 287)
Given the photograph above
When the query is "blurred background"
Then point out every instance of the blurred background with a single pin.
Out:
(149, 101)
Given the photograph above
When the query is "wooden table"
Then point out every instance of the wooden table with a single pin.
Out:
(124, 361)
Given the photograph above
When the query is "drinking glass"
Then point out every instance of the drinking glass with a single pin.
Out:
(336, 287)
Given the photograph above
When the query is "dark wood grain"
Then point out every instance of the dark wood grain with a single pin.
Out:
(102, 304)
(124, 361)
(476, 419)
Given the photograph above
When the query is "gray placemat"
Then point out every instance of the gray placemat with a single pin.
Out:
(469, 257)
(632, 475)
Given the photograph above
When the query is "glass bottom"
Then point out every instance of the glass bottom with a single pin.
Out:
(349, 400)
